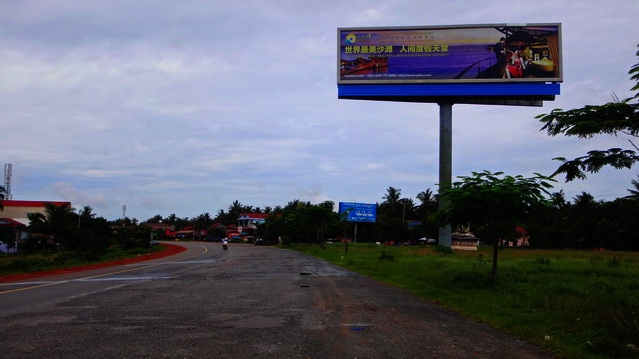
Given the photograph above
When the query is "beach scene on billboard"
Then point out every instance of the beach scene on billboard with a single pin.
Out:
(490, 53)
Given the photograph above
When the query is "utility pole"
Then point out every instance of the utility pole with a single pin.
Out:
(7, 180)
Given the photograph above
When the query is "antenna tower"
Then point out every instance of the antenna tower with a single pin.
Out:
(7, 181)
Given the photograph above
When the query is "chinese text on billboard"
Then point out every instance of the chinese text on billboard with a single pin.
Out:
(479, 53)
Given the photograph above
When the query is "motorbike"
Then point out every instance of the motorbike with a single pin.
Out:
(225, 246)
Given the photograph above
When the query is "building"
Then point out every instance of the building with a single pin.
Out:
(251, 219)
(14, 219)
(19, 210)
(10, 233)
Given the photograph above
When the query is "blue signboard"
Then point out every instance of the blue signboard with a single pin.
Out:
(358, 212)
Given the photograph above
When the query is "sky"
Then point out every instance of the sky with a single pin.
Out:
(183, 107)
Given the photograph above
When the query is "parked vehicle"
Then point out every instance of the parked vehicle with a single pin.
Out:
(425, 240)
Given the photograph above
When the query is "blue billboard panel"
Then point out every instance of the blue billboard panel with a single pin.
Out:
(358, 212)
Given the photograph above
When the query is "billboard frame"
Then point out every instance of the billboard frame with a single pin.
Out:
(348, 207)
(534, 31)
(446, 91)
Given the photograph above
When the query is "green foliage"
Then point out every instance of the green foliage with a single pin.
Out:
(492, 199)
(613, 118)
(494, 204)
(3, 192)
(56, 223)
(542, 261)
(303, 222)
(128, 238)
(385, 256)
(24, 262)
(443, 249)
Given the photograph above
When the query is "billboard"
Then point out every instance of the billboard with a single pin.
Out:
(358, 212)
(453, 54)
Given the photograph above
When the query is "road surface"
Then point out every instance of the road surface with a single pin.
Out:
(249, 301)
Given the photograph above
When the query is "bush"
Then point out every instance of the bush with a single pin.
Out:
(383, 256)
(442, 249)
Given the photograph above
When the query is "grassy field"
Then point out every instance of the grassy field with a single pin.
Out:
(577, 304)
(43, 261)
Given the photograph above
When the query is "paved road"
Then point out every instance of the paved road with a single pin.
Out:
(250, 301)
(17, 297)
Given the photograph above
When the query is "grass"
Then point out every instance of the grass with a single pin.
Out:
(27, 263)
(576, 304)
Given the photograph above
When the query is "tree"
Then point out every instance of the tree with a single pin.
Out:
(203, 221)
(558, 199)
(613, 118)
(3, 191)
(86, 215)
(634, 193)
(494, 204)
(235, 210)
(584, 200)
(155, 219)
(428, 203)
(392, 206)
(56, 222)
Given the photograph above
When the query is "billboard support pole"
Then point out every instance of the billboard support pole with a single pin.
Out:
(355, 237)
(445, 163)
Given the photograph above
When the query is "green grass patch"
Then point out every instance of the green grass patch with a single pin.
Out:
(577, 304)
(28, 263)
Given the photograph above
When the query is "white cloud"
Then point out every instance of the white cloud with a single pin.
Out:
(184, 107)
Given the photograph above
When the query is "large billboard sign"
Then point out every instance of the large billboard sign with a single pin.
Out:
(358, 212)
(453, 54)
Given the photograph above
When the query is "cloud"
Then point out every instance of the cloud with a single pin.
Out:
(76, 197)
(185, 107)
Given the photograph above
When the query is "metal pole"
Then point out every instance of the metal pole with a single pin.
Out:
(445, 164)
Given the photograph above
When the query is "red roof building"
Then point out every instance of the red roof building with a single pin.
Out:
(19, 210)
(251, 219)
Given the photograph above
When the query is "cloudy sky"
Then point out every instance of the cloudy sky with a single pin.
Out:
(186, 106)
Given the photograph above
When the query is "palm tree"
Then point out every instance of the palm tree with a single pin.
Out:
(56, 221)
(428, 202)
(558, 199)
(86, 215)
(634, 193)
(236, 207)
(221, 217)
(391, 205)
(155, 219)
(2, 194)
(583, 200)
(408, 208)
(171, 219)
(425, 197)
(204, 220)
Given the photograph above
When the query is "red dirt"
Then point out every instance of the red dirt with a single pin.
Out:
(169, 251)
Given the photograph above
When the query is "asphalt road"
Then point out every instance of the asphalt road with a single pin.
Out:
(249, 301)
